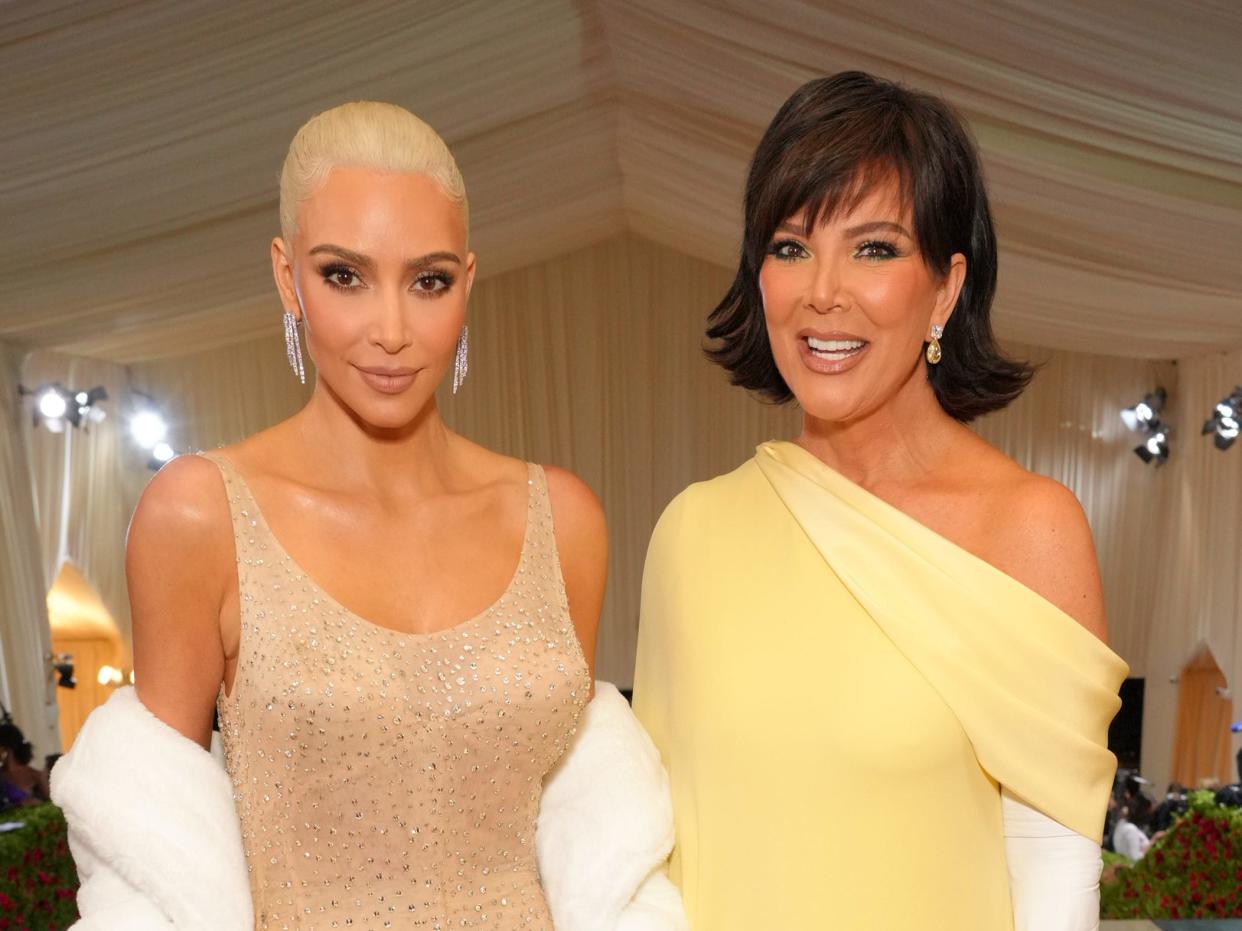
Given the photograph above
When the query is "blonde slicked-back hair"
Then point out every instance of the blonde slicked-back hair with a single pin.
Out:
(364, 134)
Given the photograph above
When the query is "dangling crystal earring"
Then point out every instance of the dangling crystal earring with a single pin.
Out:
(293, 347)
(462, 364)
(933, 346)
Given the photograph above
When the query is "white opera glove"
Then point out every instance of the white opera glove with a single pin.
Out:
(1054, 873)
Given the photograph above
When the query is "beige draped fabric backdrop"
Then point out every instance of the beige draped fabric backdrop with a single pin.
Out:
(592, 361)
(82, 513)
(25, 639)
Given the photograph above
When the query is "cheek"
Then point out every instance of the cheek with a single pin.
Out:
(333, 320)
(780, 291)
(436, 322)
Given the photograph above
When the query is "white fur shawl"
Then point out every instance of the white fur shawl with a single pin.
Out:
(155, 835)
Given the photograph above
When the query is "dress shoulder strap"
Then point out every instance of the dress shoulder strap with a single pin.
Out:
(541, 537)
(249, 531)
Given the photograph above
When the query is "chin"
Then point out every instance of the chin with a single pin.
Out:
(386, 413)
(827, 403)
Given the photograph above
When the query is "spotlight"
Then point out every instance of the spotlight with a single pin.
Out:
(88, 404)
(1224, 420)
(160, 455)
(62, 664)
(148, 428)
(1156, 447)
(55, 406)
(1141, 418)
(52, 404)
(110, 675)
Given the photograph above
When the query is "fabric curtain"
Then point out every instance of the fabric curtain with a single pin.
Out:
(593, 361)
(1198, 536)
(80, 491)
(1201, 745)
(1111, 134)
(25, 639)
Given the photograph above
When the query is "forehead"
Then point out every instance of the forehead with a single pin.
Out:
(375, 211)
(864, 198)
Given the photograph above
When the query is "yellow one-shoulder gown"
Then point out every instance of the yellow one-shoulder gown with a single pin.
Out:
(839, 695)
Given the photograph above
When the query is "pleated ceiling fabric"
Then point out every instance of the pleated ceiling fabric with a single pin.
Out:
(141, 144)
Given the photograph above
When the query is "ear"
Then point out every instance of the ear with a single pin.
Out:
(949, 290)
(469, 273)
(282, 271)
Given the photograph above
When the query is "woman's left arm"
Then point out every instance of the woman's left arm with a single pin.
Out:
(582, 547)
(1045, 544)
(1054, 873)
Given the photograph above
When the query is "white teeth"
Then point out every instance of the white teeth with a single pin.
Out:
(834, 345)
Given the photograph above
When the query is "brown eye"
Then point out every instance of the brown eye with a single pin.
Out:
(432, 282)
(787, 249)
(877, 249)
(341, 276)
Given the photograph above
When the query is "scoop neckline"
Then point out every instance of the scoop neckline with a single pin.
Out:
(334, 602)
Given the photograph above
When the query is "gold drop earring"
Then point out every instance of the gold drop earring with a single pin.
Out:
(933, 345)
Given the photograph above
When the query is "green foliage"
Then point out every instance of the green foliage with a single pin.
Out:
(1193, 871)
(38, 882)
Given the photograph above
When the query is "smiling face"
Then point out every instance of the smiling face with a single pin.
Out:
(379, 274)
(849, 306)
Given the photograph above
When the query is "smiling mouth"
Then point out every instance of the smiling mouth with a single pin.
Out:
(834, 350)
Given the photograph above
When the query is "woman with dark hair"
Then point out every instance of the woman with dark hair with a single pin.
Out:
(887, 609)
(15, 769)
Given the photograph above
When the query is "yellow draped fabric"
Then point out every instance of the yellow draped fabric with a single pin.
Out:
(839, 694)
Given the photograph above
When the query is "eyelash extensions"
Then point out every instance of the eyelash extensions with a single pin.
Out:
(443, 279)
(871, 249)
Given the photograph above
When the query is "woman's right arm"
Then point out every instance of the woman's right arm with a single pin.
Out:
(180, 566)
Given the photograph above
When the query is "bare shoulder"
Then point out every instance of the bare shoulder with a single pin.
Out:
(1039, 535)
(184, 499)
(582, 544)
(574, 504)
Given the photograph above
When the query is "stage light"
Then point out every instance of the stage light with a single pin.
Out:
(55, 406)
(1224, 420)
(52, 404)
(160, 455)
(1156, 447)
(110, 675)
(1142, 416)
(62, 666)
(147, 428)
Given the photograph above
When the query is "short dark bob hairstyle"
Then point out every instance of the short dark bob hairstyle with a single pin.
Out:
(833, 141)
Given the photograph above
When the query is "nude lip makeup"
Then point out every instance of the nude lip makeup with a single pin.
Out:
(387, 380)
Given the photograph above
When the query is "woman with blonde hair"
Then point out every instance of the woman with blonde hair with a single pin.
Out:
(396, 625)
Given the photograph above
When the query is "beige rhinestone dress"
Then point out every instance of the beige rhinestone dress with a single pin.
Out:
(392, 780)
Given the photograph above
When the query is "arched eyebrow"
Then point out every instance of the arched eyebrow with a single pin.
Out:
(365, 261)
(878, 226)
(861, 229)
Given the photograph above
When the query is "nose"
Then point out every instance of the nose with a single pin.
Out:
(824, 293)
(389, 330)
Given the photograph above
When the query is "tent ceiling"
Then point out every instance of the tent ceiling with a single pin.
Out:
(141, 141)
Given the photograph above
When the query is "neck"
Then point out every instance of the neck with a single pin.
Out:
(415, 458)
(901, 441)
